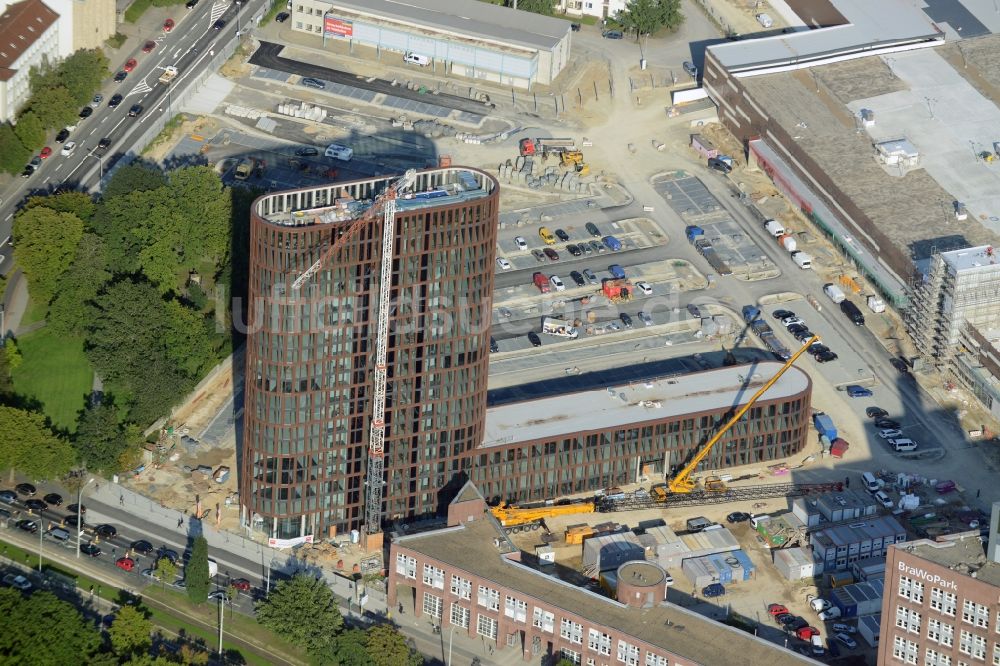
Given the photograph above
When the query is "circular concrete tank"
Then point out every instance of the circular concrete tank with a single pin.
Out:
(641, 584)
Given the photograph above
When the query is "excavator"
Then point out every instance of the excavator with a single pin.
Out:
(682, 489)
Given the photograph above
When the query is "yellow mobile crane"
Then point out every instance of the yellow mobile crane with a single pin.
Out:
(682, 481)
(516, 518)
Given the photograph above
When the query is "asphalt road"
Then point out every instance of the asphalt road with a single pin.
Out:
(268, 56)
(188, 47)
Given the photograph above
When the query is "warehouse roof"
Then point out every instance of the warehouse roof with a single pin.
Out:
(468, 17)
(470, 547)
(871, 26)
(863, 530)
(708, 392)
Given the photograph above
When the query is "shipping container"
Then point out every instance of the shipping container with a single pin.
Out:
(824, 424)
(839, 447)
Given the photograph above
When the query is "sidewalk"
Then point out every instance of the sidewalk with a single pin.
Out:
(15, 301)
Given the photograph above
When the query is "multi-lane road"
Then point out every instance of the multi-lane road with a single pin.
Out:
(189, 47)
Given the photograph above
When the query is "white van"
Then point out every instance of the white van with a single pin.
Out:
(834, 293)
(416, 59)
(903, 444)
(872, 484)
(757, 520)
(802, 260)
(336, 151)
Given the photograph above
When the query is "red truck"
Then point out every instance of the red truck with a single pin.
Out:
(542, 282)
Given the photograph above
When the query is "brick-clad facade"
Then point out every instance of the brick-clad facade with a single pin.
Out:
(471, 577)
(309, 353)
(941, 604)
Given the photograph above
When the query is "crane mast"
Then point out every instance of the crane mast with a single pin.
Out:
(682, 482)
(384, 204)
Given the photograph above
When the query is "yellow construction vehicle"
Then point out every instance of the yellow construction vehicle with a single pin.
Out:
(574, 159)
(682, 481)
(517, 518)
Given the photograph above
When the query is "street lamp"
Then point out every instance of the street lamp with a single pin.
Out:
(79, 514)
(100, 159)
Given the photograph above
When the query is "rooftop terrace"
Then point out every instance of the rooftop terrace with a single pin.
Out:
(623, 405)
(962, 554)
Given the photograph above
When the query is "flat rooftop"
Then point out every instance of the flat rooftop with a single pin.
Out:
(674, 629)
(864, 529)
(884, 24)
(470, 18)
(914, 211)
(984, 256)
(626, 404)
(963, 555)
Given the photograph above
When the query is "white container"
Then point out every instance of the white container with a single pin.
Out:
(835, 293)
(764, 20)
(876, 304)
(774, 228)
(788, 242)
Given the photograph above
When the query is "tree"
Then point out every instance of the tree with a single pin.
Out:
(99, 437)
(49, 630)
(644, 17)
(82, 73)
(205, 207)
(78, 287)
(12, 354)
(30, 131)
(134, 178)
(45, 244)
(54, 107)
(191, 341)
(13, 154)
(350, 648)
(77, 203)
(546, 7)
(165, 570)
(196, 578)
(387, 647)
(28, 444)
(304, 611)
(131, 632)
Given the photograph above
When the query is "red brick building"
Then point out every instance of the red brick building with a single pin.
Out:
(470, 576)
(941, 604)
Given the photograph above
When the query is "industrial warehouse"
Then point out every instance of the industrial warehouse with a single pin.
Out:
(467, 38)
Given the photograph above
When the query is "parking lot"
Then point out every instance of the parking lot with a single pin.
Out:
(695, 205)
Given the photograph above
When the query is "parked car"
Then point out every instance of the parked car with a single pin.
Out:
(307, 152)
(125, 563)
(281, 17)
(574, 250)
(142, 547)
(841, 628)
(148, 47)
(590, 275)
(494, 347)
(115, 101)
(597, 247)
(8, 495)
(191, 4)
(538, 255)
(644, 287)
(713, 590)
(783, 314)
(106, 531)
(241, 584)
(129, 64)
(792, 321)
(616, 271)
(612, 34)
(316, 84)
(740, 517)
(90, 549)
(626, 320)
(86, 112)
(551, 254)
(121, 76)
(856, 391)
(77, 508)
(646, 319)
(54, 499)
(27, 525)
(826, 357)
(784, 618)
(887, 423)
(35, 505)
(797, 624)
(562, 235)
(25, 489)
(817, 348)
(900, 365)
(520, 243)
(592, 229)
(534, 339)
(690, 69)
(883, 499)
(17, 581)
(577, 278)
(168, 25)
(890, 433)
(721, 166)
(504, 264)
(846, 641)
(875, 412)
(557, 283)
(62, 135)
(774, 610)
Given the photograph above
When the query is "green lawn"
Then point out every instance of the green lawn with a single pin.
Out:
(56, 373)
(35, 312)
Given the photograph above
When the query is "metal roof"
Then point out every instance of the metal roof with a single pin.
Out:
(468, 17)
(984, 256)
(871, 25)
(713, 391)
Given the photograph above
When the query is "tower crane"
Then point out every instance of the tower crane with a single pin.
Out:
(682, 481)
(385, 205)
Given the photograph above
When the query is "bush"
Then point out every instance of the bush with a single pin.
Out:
(116, 40)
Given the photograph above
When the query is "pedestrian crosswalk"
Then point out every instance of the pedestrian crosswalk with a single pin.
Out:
(218, 9)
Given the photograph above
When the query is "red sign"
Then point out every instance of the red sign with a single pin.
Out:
(338, 27)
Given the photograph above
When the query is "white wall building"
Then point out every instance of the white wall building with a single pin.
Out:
(29, 37)
(602, 9)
